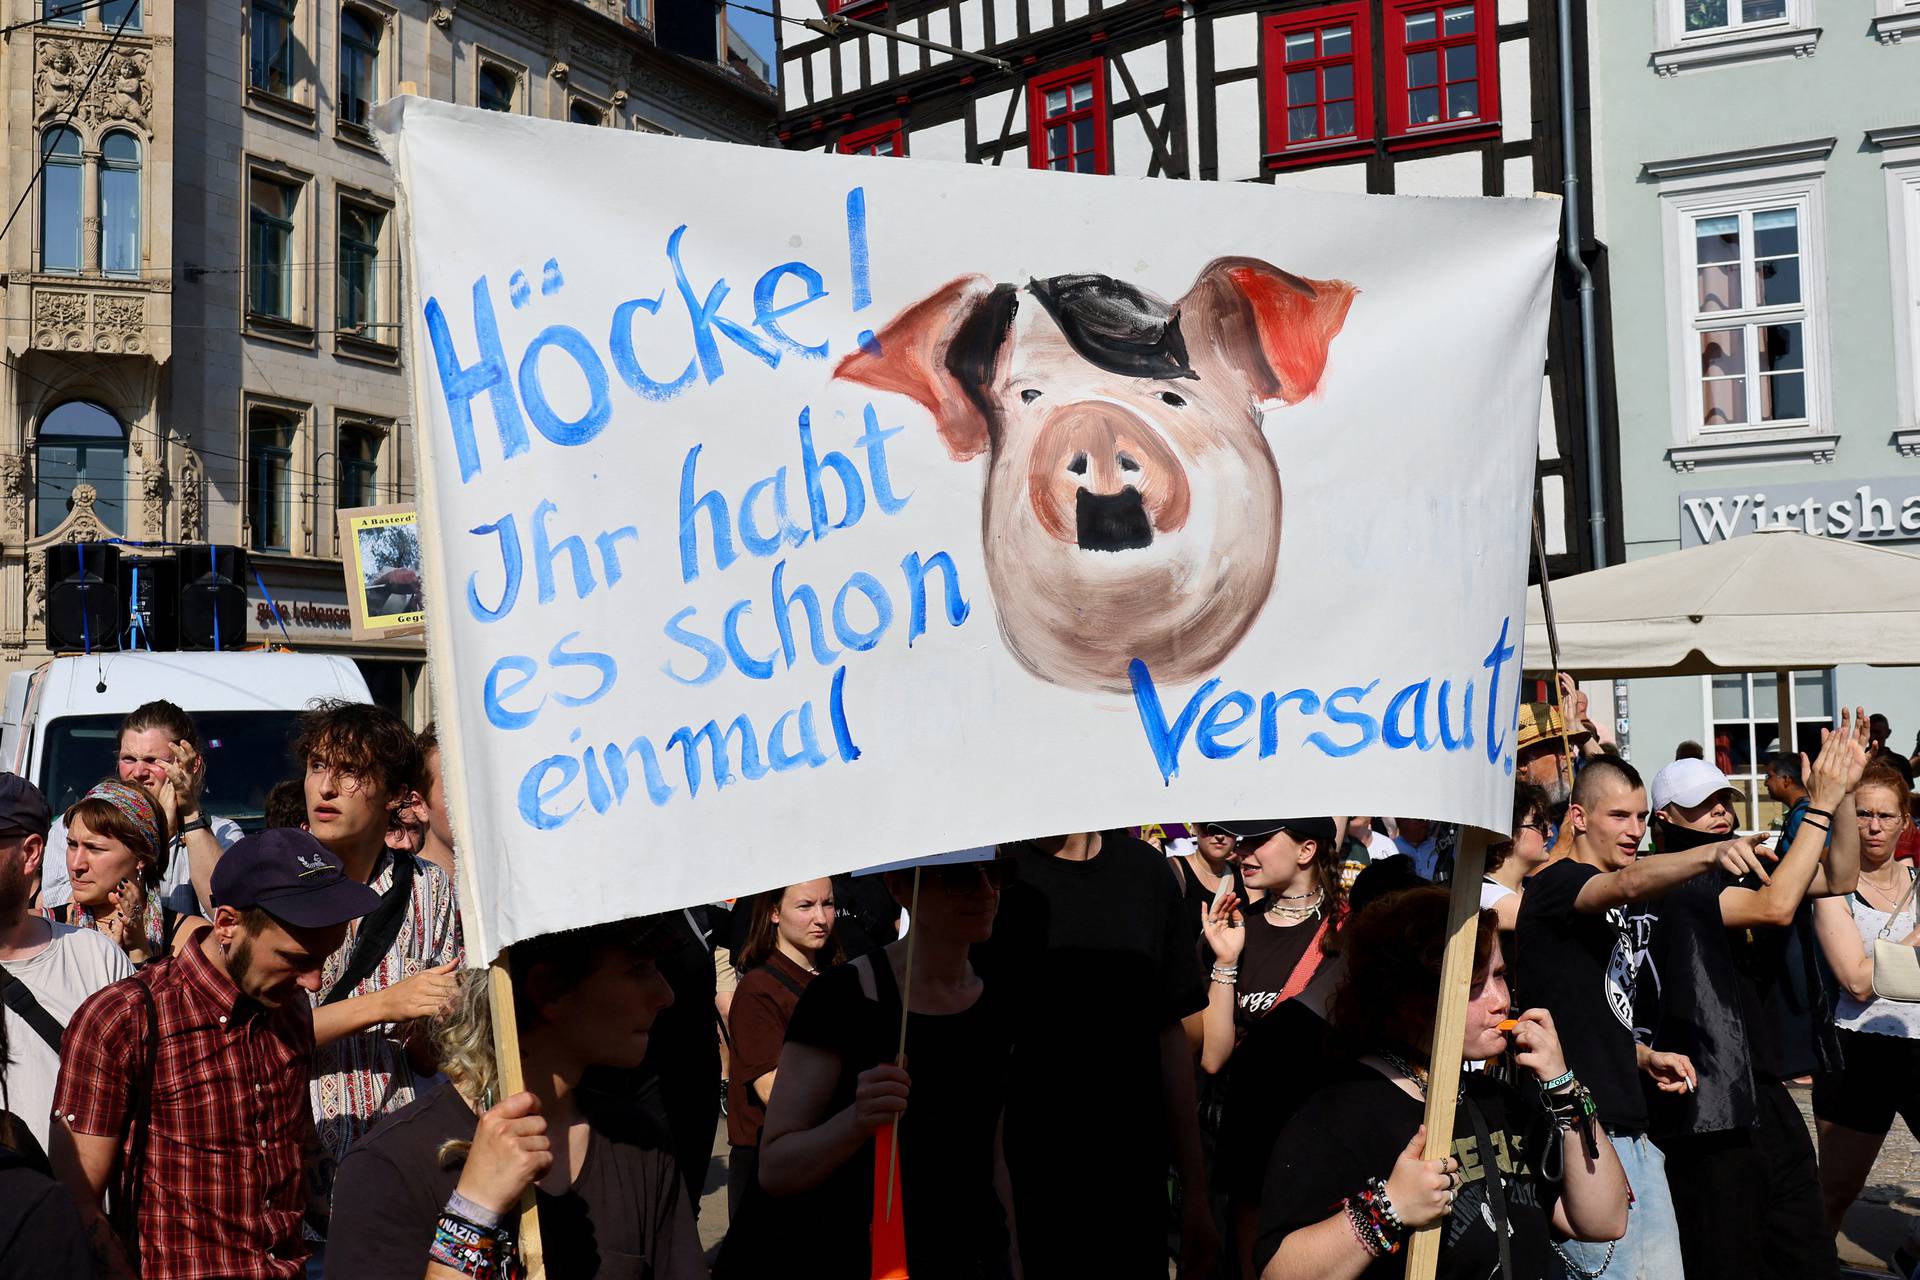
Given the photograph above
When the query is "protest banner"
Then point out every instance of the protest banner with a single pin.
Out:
(800, 513)
(380, 556)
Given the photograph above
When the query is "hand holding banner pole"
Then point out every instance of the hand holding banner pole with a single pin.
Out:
(1450, 1028)
(506, 1057)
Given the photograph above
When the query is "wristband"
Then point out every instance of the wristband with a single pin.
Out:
(1560, 1081)
(198, 823)
(458, 1206)
(1817, 826)
(1825, 813)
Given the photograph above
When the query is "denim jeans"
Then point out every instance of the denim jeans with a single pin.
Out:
(1651, 1248)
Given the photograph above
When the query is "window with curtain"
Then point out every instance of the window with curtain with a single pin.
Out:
(120, 204)
(494, 89)
(270, 435)
(61, 186)
(271, 208)
(359, 453)
(358, 305)
(80, 442)
(271, 65)
(359, 65)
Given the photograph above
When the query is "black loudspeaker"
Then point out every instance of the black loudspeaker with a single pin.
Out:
(213, 601)
(83, 596)
(150, 602)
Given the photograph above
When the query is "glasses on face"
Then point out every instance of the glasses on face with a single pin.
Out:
(1538, 824)
(1869, 819)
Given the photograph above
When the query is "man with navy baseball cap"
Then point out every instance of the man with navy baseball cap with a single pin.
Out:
(215, 1045)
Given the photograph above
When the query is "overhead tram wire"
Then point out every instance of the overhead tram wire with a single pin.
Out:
(66, 121)
(834, 25)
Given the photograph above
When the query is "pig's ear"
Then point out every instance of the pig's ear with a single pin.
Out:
(943, 351)
(1271, 325)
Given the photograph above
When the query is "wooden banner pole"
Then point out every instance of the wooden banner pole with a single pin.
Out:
(900, 1054)
(1450, 1026)
(506, 1058)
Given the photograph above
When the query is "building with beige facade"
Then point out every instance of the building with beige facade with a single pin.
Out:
(203, 287)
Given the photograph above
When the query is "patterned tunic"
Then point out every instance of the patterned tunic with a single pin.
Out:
(361, 1077)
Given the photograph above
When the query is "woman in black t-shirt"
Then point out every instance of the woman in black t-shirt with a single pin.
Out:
(839, 1086)
(1348, 1181)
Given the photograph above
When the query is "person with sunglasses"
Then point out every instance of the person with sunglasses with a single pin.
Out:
(1510, 862)
(840, 1085)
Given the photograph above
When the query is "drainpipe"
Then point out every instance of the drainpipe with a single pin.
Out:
(1570, 247)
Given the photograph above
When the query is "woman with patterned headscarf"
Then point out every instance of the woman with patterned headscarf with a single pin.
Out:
(117, 842)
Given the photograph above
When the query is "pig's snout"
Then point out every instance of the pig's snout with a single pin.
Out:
(1104, 479)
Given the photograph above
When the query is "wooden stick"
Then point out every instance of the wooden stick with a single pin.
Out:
(506, 1057)
(900, 1054)
(1450, 1027)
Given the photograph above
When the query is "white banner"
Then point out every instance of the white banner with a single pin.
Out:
(798, 513)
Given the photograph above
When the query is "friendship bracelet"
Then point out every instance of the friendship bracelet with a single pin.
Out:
(1376, 1195)
(467, 1247)
(1560, 1081)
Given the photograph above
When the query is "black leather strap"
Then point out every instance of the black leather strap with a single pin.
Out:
(1496, 1189)
(377, 931)
(14, 992)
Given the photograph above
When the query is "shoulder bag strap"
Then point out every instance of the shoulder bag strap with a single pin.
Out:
(377, 931)
(14, 992)
(1913, 883)
(1496, 1189)
(126, 1216)
(785, 980)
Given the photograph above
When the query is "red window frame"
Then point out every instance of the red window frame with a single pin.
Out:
(1283, 150)
(867, 142)
(1092, 72)
(1485, 43)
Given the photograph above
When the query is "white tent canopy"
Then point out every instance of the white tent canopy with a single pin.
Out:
(1774, 601)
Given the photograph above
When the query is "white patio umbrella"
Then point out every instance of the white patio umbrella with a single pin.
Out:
(1779, 600)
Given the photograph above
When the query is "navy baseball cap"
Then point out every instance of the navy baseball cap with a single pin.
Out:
(1320, 829)
(23, 810)
(292, 877)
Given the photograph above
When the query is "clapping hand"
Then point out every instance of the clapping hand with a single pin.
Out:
(1844, 753)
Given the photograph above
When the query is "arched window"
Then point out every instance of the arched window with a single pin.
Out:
(359, 65)
(584, 113)
(80, 443)
(120, 204)
(60, 195)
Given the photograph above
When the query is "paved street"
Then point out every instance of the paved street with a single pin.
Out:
(1877, 1223)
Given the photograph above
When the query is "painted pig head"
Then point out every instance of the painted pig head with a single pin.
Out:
(1132, 506)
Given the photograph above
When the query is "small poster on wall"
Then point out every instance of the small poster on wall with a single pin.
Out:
(381, 557)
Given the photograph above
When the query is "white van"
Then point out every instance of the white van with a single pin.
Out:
(61, 721)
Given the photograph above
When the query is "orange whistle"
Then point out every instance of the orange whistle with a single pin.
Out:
(1509, 1025)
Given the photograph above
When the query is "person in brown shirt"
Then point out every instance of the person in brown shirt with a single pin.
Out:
(791, 938)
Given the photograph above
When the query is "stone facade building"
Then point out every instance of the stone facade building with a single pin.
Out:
(204, 339)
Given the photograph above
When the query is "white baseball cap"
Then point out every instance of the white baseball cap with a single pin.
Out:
(1687, 783)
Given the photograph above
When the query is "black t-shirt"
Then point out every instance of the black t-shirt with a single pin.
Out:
(955, 1225)
(1097, 960)
(1355, 1130)
(1688, 999)
(1581, 967)
(40, 1233)
(1268, 958)
(625, 1218)
(1282, 1061)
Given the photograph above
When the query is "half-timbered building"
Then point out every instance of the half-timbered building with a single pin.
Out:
(1422, 97)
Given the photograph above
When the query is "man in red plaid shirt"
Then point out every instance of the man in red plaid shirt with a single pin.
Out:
(183, 1089)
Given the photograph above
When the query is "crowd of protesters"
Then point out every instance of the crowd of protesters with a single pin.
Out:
(1099, 1054)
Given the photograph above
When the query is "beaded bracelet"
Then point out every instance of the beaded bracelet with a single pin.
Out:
(1375, 1224)
(1366, 1230)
